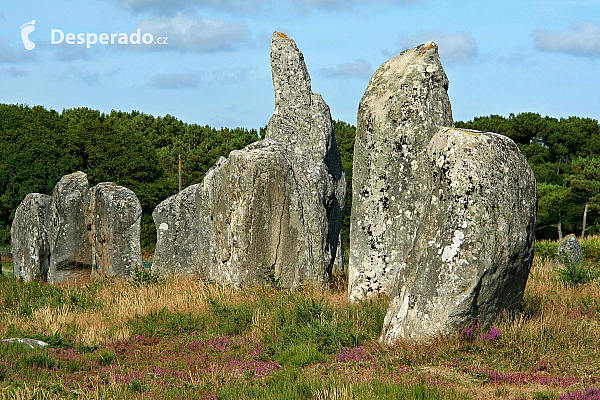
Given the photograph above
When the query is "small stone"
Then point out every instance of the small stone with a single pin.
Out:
(569, 246)
(32, 343)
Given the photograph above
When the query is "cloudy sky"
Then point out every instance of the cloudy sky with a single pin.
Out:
(501, 57)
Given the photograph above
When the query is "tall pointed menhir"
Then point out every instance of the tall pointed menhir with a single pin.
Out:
(404, 104)
(272, 210)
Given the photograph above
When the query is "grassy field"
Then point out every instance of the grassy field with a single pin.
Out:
(188, 339)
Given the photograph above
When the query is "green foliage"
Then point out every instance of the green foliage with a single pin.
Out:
(145, 277)
(300, 355)
(543, 396)
(106, 357)
(22, 299)
(345, 134)
(136, 386)
(135, 150)
(284, 385)
(591, 249)
(164, 323)
(546, 249)
(572, 273)
(329, 329)
(552, 204)
(231, 319)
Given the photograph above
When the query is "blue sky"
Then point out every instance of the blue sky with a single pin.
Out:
(500, 57)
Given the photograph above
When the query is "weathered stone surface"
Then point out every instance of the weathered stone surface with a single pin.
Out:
(249, 219)
(29, 238)
(32, 343)
(569, 246)
(273, 210)
(302, 125)
(113, 218)
(70, 249)
(404, 105)
(473, 251)
(66, 236)
(443, 219)
(178, 234)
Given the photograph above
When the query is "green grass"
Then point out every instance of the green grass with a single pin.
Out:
(7, 268)
(191, 339)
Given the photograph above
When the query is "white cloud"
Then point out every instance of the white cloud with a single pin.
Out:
(13, 55)
(582, 40)
(170, 7)
(247, 7)
(308, 5)
(175, 81)
(89, 77)
(359, 69)
(222, 121)
(196, 35)
(66, 52)
(231, 75)
(453, 47)
(16, 72)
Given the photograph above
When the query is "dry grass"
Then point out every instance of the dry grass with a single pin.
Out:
(121, 301)
(555, 337)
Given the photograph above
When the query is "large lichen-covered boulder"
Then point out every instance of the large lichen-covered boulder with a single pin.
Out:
(273, 210)
(29, 238)
(443, 219)
(70, 248)
(569, 247)
(404, 105)
(114, 217)
(473, 251)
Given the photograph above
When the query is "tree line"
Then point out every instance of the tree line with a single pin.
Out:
(132, 149)
(141, 152)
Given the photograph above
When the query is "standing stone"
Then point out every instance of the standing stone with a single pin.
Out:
(250, 220)
(404, 105)
(114, 216)
(569, 246)
(302, 125)
(178, 234)
(29, 238)
(443, 219)
(472, 254)
(273, 210)
(70, 249)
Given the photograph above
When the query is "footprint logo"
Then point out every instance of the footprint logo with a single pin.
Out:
(26, 29)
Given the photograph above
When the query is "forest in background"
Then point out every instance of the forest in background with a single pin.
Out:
(141, 152)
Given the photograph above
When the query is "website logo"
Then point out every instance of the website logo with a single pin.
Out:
(26, 29)
(89, 39)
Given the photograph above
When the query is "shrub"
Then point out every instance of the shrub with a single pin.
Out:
(300, 355)
(164, 323)
(546, 249)
(144, 276)
(591, 249)
(231, 319)
(106, 357)
(573, 273)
